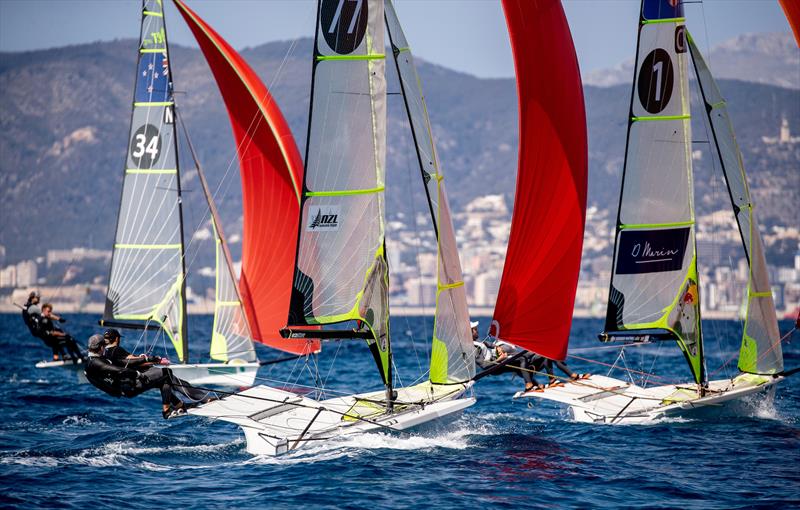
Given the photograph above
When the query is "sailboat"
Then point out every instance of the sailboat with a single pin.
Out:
(147, 282)
(540, 275)
(340, 270)
(654, 293)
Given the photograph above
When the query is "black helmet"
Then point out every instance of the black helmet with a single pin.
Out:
(111, 334)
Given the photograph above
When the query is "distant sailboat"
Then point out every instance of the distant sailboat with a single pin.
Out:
(147, 283)
(654, 293)
(341, 274)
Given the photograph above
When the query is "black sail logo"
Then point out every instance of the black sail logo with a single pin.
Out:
(651, 251)
(322, 218)
(343, 23)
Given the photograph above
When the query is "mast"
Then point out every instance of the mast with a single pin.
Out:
(451, 359)
(654, 283)
(146, 281)
(184, 316)
(231, 337)
(540, 275)
(760, 352)
(341, 271)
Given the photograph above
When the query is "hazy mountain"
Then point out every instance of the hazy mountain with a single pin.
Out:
(64, 117)
(773, 59)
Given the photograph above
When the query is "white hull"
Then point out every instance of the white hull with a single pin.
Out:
(76, 368)
(241, 375)
(274, 423)
(602, 399)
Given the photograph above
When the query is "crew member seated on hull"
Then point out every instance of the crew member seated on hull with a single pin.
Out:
(121, 381)
(488, 355)
(122, 358)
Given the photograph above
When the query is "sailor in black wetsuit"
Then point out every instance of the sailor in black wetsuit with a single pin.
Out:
(58, 337)
(32, 316)
(137, 375)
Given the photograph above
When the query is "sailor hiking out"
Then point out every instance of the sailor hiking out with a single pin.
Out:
(41, 322)
(125, 375)
(491, 354)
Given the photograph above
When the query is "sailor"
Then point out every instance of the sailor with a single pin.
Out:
(57, 338)
(120, 381)
(488, 355)
(122, 358)
(32, 314)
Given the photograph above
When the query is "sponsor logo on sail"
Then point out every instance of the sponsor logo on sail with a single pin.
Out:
(652, 251)
(323, 218)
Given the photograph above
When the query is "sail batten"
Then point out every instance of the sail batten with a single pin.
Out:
(537, 290)
(271, 171)
(452, 340)
(146, 281)
(760, 352)
(654, 281)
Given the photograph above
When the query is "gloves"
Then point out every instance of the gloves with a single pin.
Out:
(163, 361)
(153, 359)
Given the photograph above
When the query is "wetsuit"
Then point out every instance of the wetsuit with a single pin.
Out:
(126, 382)
(65, 345)
(154, 376)
(561, 366)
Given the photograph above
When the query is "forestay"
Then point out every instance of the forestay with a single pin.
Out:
(147, 274)
(452, 340)
(654, 280)
(537, 291)
(341, 272)
(761, 345)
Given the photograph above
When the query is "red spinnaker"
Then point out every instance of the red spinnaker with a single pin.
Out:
(537, 291)
(792, 10)
(271, 173)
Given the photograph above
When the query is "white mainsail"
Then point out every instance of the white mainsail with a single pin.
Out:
(341, 271)
(452, 340)
(654, 284)
(146, 283)
(761, 343)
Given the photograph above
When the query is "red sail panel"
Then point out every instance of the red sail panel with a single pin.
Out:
(537, 289)
(271, 173)
(792, 10)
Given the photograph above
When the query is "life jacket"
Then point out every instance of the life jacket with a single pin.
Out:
(116, 381)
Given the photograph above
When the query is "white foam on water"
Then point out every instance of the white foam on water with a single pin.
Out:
(131, 448)
(352, 445)
(76, 420)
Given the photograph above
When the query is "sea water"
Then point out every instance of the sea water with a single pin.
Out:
(64, 445)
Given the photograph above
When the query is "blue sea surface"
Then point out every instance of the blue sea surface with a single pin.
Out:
(64, 445)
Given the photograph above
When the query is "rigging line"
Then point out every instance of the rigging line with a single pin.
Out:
(417, 239)
(579, 382)
(771, 348)
(297, 404)
(654, 376)
(257, 119)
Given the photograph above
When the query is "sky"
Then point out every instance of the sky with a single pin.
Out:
(465, 35)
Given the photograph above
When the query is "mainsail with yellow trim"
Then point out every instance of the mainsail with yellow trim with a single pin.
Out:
(147, 283)
(654, 281)
(341, 271)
